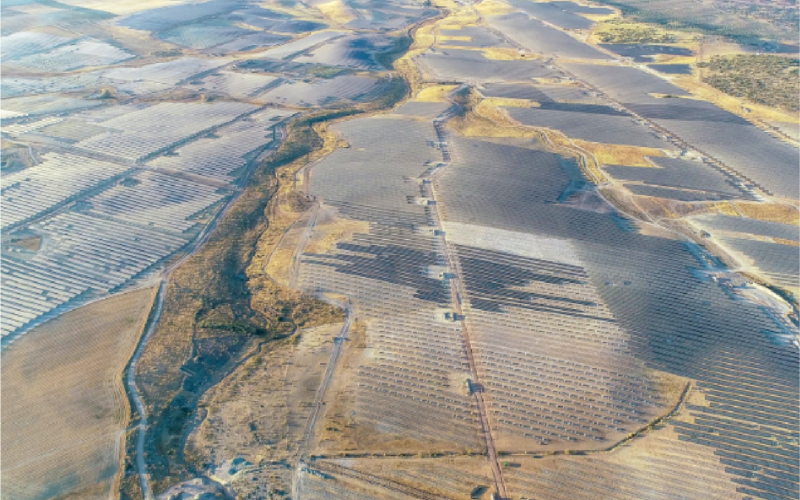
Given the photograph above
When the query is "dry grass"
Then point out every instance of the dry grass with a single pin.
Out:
(493, 8)
(327, 233)
(64, 407)
(483, 119)
(506, 54)
(434, 93)
(510, 102)
(240, 421)
(773, 212)
(447, 38)
(280, 265)
(617, 154)
(495, 53)
(460, 16)
(33, 243)
(445, 477)
(660, 208)
(656, 462)
(337, 11)
(791, 243)
(725, 208)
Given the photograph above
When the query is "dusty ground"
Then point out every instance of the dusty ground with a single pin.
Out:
(64, 407)
(448, 477)
(259, 412)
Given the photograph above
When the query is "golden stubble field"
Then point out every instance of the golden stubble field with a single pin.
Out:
(64, 406)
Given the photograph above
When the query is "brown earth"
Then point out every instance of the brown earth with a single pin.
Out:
(64, 407)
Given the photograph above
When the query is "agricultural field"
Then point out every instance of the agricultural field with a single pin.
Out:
(64, 408)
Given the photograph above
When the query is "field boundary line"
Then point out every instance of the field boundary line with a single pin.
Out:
(376, 480)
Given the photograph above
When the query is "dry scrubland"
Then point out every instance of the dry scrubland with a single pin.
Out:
(259, 412)
(217, 316)
(765, 79)
(64, 407)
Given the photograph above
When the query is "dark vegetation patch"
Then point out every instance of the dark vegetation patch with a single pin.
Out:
(399, 47)
(762, 78)
(633, 35)
(327, 72)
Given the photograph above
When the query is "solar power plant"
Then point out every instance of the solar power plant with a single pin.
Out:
(322, 91)
(596, 123)
(769, 246)
(678, 173)
(645, 53)
(554, 14)
(720, 134)
(351, 52)
(478, 37)
(465, 65)
(399, 250)
(236, 85)
(672, 69)
(540, 38)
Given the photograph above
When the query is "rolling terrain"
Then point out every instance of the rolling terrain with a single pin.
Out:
(399, 250)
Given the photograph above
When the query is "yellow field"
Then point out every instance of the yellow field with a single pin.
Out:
(617, 154)
(435, 93)
(774, 212)
(493, 8)
(445, 38)
(327, 233)
(337, 11)
(64, 407)
(510, 102)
